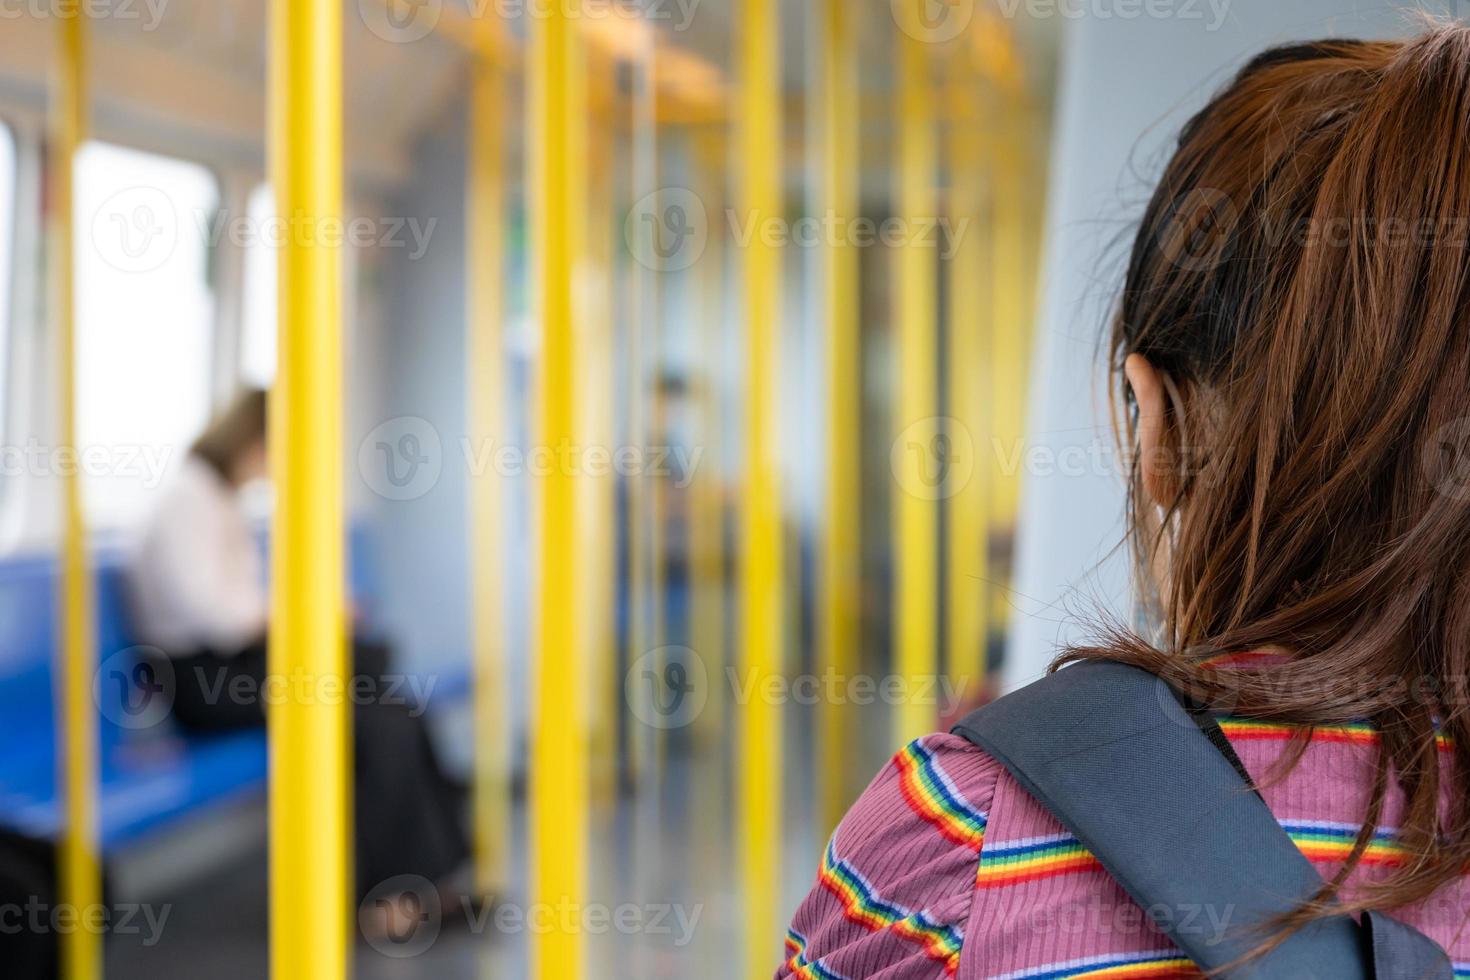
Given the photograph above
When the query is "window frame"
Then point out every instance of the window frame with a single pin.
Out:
(23, 311)
(108, 524)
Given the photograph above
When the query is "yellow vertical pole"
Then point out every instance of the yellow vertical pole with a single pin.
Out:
(968, 531)
(80, 873)
(559, 750)
(759, 783)
(485, 381)
(1011, 327)
(641, 553)
(841, 553)
(310, 737)
(599, 553)
(708, 581)
(919, 455)
(707, 525)
(646, 743)
(648, 397)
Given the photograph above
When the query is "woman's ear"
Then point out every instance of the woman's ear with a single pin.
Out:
(1160, 480)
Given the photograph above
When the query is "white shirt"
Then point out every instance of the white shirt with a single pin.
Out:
(195, 579)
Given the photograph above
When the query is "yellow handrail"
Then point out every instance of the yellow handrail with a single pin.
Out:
(842, 548)
(642, 615)
(1014, 235)
(967, 320)
(920, 456)
(557, 169)
(310, 736)
(76, 716)
(485, 381)
(759, 200)
(646, 417)
(599, 560)
(707, 580)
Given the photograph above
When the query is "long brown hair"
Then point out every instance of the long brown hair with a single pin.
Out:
(1300, 279)
(239, 427)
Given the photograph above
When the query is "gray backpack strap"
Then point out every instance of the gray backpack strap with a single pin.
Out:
(1113, 754)
(1401, 952)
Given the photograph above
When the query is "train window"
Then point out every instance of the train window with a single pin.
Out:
(7, 237)
(144, 321)
(258, 307)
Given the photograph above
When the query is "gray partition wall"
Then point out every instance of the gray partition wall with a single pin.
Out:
(1132, 72)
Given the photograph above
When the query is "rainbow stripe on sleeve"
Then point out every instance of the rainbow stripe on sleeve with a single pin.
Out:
(1032, 859)
(1114, 966)
(1326, 841)
(1356, 733)
(931, 793)
(862, 904)
(1036, 858)
(800, 966)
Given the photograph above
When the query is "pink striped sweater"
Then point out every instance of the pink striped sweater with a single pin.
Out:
(946, 867)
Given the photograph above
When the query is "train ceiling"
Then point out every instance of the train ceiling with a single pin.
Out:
(189, 76)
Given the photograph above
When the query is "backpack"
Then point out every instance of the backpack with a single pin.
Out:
(1150, 785)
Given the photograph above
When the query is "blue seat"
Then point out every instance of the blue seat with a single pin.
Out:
(149, 778)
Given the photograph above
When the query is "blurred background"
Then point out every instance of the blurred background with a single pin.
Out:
(954, 186)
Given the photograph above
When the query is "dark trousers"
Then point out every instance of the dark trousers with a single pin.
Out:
(27, 876)
(409, 813)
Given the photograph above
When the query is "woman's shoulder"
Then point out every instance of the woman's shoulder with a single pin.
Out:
(946, 867)
(934, 791)
(897, 879)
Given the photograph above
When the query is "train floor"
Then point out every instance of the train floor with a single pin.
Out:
(663, 896)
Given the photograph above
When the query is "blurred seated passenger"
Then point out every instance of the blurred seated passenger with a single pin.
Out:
(198, 594)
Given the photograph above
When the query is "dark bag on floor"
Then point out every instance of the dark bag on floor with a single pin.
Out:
(1155, 792)
(27, 882)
